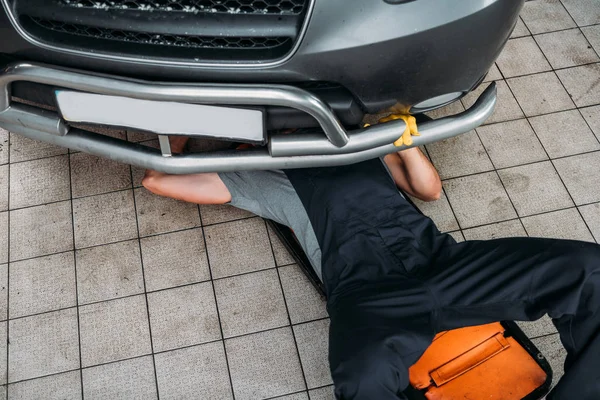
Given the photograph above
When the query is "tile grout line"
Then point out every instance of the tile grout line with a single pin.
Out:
(212, 283)
(137, 226)
(287, 310)
(579, 26)
(75, 268)
(8, 273)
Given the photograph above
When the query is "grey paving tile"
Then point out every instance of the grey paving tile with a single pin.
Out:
(174, 259)
(511, 60)
(41, 230)
(114, 330)
(104, 219)
(499, 230)
(157, 214)
(457, 236)
(4, 181)
(325, 393)
(129, 379)
(3, 352)
(43, 344)
(519, 30)
(66, 386)
(535, 188)
(4, 151)
(183, 316)
(479, 199)
(591, 216)
(511, 143)
(282, 255)
(39, 181)
(581, 175)
(566, 48)
(592, 33)
(584, 12)
(541, 327)
(42, 284)
(460, 155)
(250, 303)
(295, 396)
(507, 107)
(563, 224)
(3, 237)
(264, 364)
(92, 175)
(440, 212)
(456, 107)
(25, 149)
(546, 16)
(582, 83)
(493, 74)
(555, 353)
(540, 94)
(237, 247)
(313, 345)
(3, 292)
(214, 214)
(198, 372)
(553, 129)
(109, 271)
(303, 301)
(592, 117)
(139, 136)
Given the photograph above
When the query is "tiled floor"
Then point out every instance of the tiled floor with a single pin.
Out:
(110, 292)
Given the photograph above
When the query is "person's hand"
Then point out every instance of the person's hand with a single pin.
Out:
(410, 131)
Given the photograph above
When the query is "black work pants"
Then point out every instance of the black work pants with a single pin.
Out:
(380, 329)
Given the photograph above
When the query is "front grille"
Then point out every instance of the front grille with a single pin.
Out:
(182, 30)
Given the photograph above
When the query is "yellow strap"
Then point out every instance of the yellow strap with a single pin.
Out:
(411, 128)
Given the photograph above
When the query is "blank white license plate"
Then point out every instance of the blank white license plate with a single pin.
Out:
(163, 117)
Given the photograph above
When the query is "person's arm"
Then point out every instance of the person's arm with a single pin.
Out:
(414, 174)
(205, 188)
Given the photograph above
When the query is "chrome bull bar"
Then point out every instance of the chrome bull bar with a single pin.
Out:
(336, 147)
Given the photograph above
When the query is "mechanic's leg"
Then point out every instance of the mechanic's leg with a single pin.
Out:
(522, 279)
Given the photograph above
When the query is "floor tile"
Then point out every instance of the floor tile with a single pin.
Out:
(130, 379)
(39, 181)
(566, 48)
(3, 352)
(3, 237)
(581, 175)
(584, 12)
(43, 344)
(250, 303)
(512, 228)
(554, 131)
(4, 182)
(174, 259)
(592, 117)
(282, 255)
(25, 149)
(104, 219)
(217, 213)
(264, 364)
(507, 107)
(42, 284)
(92, 175)
(541, 327)
(183, 316)
(457, 236)
(591, 216)
(540, 94)
(139, 136)
(592, 34)
(519, 30)
(313, 345)
(157, 214)
(535, 188)
(325, 393)
(563, 224)
(546, 16)
(582, 83)
(3, 292)
(440, 212)
(460, 155)
(198, 372)
(66, 386)
(492, 75)
(303, 301)
(237, 247)
(109, 271)
(457, 107)
(41, 230)
(114, 330)
(511, 143)
(511, 60)
(479, 199)
(295, 396)
(555, 353)
(4, 150)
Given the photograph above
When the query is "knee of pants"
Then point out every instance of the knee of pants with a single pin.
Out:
(585, 257)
